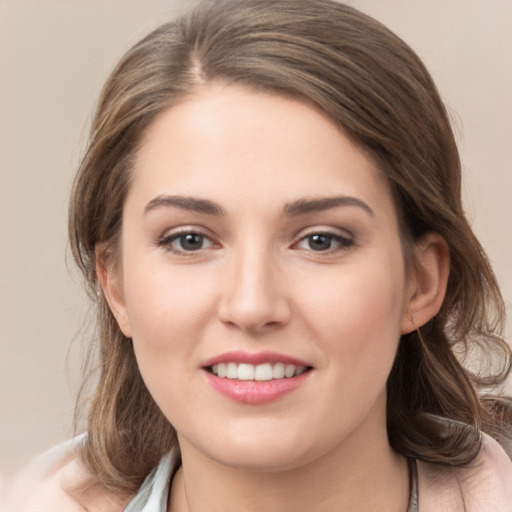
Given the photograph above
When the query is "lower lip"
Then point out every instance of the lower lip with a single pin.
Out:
(255, 392)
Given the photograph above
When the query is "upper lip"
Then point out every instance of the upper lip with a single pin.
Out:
(255, 359)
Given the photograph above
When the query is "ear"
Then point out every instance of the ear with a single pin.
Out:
(427, 282)
(110, 277)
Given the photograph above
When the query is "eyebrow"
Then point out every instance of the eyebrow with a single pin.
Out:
(185, 203)
(299, 207)
(310, 205)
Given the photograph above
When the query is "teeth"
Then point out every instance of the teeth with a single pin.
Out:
(263, 372)
(246, 372)
(232, 371)
(260, 372)
(221, 370)
(278, 371)
(289, 370)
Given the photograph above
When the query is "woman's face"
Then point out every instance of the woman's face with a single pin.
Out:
(262, 281)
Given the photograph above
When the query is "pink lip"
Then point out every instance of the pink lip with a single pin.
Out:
(259, 358)
(255, 392)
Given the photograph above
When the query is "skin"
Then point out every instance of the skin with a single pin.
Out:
(257, 280)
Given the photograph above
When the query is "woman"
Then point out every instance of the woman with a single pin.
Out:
(269, 220)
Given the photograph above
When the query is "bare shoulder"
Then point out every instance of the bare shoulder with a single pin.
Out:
(488, 480)
(485, 485)
(50, 484)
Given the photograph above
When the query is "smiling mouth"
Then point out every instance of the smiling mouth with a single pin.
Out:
(260, 372)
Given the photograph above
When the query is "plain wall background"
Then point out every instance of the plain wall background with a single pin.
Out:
(54, 57)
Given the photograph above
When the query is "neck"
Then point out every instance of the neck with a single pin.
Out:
(362, 474)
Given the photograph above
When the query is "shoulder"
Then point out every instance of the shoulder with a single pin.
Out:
(49, 482)
(485, 485)
(487, 482)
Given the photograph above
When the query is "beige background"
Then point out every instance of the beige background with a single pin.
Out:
(54, 56)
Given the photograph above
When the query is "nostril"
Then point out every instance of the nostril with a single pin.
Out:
(253, 298)
(252, 327)
(254, 314)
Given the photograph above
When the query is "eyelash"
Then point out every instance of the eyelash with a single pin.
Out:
(343, 242)
(167, 242)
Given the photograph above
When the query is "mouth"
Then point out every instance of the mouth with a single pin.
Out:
(256, 378)
(257, 372)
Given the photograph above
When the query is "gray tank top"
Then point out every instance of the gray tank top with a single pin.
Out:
(153, 494)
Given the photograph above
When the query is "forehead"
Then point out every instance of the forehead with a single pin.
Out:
(236, 143)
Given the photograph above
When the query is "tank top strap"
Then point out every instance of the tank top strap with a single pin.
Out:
(413, 486)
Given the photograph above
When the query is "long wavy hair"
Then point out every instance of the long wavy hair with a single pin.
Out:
(369, 82)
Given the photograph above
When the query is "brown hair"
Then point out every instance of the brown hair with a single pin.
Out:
(375, 87)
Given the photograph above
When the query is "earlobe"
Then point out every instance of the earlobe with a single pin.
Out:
(111, 282)
(428, 282)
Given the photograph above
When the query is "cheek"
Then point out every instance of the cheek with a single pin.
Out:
(168, 315)
(167, 307)
(358, 318)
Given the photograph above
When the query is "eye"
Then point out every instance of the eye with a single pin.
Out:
(185, 242)
(324, 242)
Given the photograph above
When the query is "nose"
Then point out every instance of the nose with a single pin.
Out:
(254, 299)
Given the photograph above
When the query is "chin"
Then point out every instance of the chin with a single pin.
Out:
(260, 459)
(265, 450)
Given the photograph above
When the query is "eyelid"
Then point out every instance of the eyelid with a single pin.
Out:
(345, 239)
(324, 230)
(173, 234)
(185, 229)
